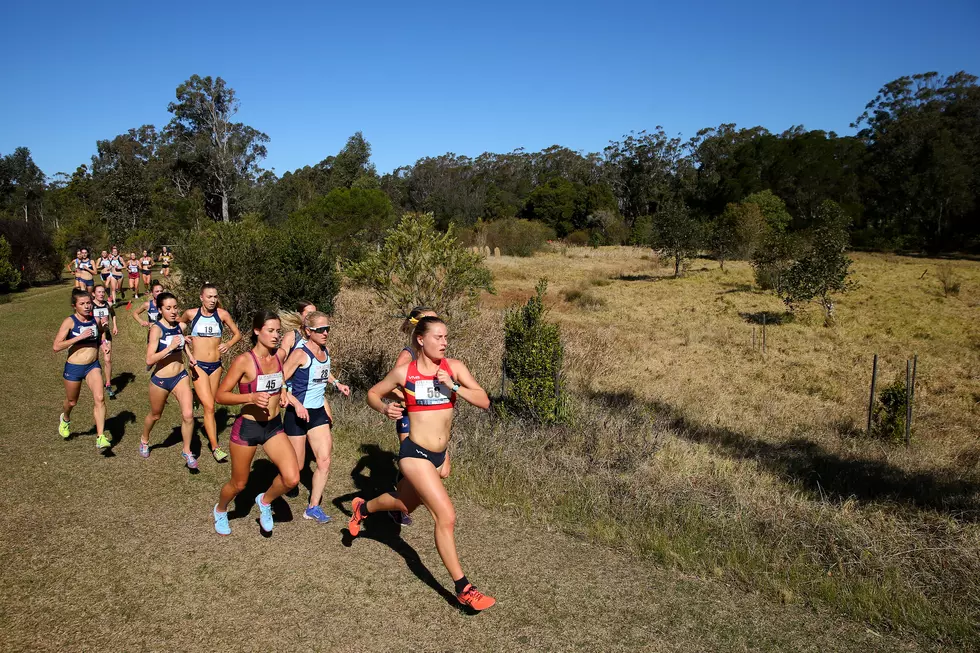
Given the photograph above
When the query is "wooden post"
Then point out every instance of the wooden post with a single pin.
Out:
(871, 402)
(503, 379)
(753, 336)
(763, 332)
(908, 403)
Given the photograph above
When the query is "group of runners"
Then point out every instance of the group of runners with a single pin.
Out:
(111, 267)
(280, 385)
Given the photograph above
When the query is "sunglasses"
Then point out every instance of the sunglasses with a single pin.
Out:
(320, 329)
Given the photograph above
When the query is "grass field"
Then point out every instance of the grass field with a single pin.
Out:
(706, 497)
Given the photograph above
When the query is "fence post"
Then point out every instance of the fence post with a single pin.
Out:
(753, 336)
(871, 402)
(908, 403)
(763, 332)
(503, 379)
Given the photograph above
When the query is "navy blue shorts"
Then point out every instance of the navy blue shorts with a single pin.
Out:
(401, 425)
(168, 383)
(88, 282)
(297, 427)
(252, 433)
(209, 368)
(74, 372)
(411, 450)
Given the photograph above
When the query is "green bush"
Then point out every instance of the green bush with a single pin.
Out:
(888, 416)
(578, 238)
(32, 251)
(583, 298)
(419, 266)
(352, 218)
(517, 237)
(9, 275)
(533, 355)
(257, 267)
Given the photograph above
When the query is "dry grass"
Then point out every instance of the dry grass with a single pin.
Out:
(759, 470)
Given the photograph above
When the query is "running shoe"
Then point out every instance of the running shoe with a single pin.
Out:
(221, 526)
(316, 513)
(265, 514)
(399, 517)
(474, 598)
(64, 428)
(219, 454)
(144, 449)
(190, 460)
(358, 515)
(110, 392)
(102, 442)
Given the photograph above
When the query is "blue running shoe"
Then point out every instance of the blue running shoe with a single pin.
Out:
(265, 514)
(144, 449)
(190, 460)
(221, 526)
(316, 513)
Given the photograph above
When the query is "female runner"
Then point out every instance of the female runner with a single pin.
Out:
(146, 269)
(73, 267)
(86, 272)
(165, 352)
(292, 324)
(79, 334)
(117, 275)
(105, 315)
(258, 375)
(133, 268)
(150, 306)
(165, 259)
(308, 415)
(105, 267)
(431, 385)
(206, 325)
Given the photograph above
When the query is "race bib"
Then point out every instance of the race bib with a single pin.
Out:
(320, 372)
(166, 342)
(100, 313)
(429, 392)
(209, 330)
(269, 382)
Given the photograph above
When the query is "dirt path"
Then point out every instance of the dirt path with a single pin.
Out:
(118, 553)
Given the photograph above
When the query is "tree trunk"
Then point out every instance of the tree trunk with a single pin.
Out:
(677, 265)
(224, 207)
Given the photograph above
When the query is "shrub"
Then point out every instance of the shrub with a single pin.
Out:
(948, 279)
(578, 238)
(516, 237)
(9, 275)
(418, 265)
(533, 355)
(677, 234)
(32, 251)
(256, 267)
(583, 298)
(352, 218)
(888, 416)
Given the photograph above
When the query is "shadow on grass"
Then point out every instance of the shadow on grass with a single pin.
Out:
(376, 472)
(115, 426)
(823, 473)
(122, 380)
(259, 479)
(768, 317)
(737, 287)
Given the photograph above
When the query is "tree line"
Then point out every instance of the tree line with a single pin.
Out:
(909, 179)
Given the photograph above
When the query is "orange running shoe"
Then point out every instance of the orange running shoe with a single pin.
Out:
(473, 598)
(358, 515)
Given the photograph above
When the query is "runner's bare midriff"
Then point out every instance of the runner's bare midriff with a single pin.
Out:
(430, 428)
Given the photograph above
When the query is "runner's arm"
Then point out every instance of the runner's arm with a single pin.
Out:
(225, 394)
(236, 335)
(142, 309)
(61, 340)
(469, 389)
(375, 396)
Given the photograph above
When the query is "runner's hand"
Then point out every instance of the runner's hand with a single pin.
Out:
(115, 331)
(106, 347)
(394, 411)
(222, 348)
(445, 377)
(260, 399)
(444, 470)
(343, 389)
(302, 413)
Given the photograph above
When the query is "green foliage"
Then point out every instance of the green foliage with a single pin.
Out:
(738, 232)
(417, 265)
(949, 279)
(773, 209)
(889, 413)
(676, 233)
(352, 218)
(566, 206)
(9, 275)
(32, 251)
(533, 355)
(256, 267)
(773, 258)
(353, 168)
(822, 269)
(578, 238)
(514, 236)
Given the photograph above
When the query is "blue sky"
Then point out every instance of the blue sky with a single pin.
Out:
(426, 78)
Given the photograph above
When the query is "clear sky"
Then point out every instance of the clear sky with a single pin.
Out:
(425, 78)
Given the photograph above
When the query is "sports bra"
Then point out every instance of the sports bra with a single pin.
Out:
(146, 264)
(206, 326)
(167, 336)
(152, 311)
(410, 351)
(270, 383)
(105, 264)
(78, 326)
(309, 383)
(117, 263)
(298, 340)
(133, 266)
(424, 392)
(86, 265)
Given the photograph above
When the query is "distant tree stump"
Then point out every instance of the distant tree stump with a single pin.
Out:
(496, 252)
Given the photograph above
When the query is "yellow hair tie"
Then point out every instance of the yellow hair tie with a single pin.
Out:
(413, 320)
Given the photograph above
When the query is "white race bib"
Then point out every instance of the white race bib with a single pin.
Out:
(167, 340)
(100, 312)
(269, 382)
(429, 392)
